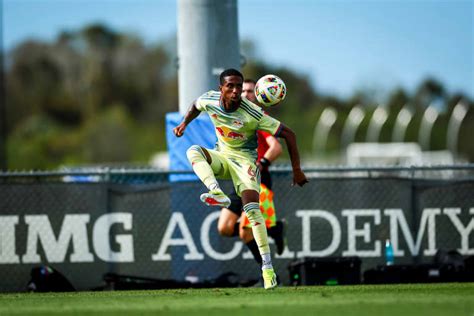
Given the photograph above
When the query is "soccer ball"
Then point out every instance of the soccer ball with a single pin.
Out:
(270, 90)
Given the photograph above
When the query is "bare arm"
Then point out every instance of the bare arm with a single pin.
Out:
(274, 149)
(192, 113)
(271, 154)
(299, 177)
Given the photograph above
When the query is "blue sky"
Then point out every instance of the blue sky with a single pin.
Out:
(341, 45)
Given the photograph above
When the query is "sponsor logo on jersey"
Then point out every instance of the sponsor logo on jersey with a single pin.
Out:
(229, 134)
(238, 123)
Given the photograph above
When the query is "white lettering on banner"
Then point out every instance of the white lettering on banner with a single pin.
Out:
(7, 239)
(73, 228)
(353, 233)
(206, 245)
(70, 240)
(306, 216)
(177, 220)
(101, 238)
(463, 231)
(427, 219)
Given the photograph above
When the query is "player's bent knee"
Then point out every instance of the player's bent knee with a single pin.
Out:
(225, 230)
(195, 153)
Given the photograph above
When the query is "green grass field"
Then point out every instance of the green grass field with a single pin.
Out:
(368, 300)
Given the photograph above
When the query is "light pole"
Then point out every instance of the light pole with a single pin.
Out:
(208, 43)
(454, 126)
(401, 124)
(429, 118)
(379, 117)
(354, 118)
(322, 129)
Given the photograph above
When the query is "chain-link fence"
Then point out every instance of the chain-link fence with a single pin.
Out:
(139, 223)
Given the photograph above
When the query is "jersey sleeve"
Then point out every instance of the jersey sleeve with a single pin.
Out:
(203, 101)
(270, 125)
(200, 104)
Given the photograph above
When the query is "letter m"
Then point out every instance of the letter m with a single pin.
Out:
(73, 228)
(427, 221)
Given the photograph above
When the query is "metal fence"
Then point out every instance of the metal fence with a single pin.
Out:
(139, 223)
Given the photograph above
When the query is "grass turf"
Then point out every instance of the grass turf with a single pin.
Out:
(368, 300)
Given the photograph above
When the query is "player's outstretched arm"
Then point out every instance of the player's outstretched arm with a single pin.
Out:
(299, 177)
(192, 113)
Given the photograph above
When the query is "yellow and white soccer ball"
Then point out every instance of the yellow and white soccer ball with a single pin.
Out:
(270, 90)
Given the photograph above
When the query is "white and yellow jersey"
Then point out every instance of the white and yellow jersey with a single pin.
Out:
(237, 131)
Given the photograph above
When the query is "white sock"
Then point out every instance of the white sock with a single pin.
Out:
(254, 215)
(214, 186)
(266, 261)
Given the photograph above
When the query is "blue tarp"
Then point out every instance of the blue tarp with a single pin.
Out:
(184, 197)
(200, 132)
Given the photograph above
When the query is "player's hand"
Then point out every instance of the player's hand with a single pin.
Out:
(179, 130)
(263, 164)
(299, 177)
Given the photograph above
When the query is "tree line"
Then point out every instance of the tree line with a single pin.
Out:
(97, 96)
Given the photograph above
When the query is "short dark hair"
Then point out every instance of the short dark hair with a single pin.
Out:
(229, 72)
(250, 81)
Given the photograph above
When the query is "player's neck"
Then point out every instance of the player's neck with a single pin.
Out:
(229, 106)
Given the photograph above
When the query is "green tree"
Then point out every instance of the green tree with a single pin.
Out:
(95, 95)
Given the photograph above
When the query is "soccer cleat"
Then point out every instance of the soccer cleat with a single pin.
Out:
(215, 198)
(269, 279)
(277, 232)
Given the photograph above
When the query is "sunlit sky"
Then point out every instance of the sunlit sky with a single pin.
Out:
(340, 45)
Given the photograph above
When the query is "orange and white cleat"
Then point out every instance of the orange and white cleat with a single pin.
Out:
(215, 198)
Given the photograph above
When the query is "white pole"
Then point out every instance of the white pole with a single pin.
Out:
(404, 118)
(208, 43)
(354, 119)
(379, 117)
(426, 127)
(454, 126)
(322, 129)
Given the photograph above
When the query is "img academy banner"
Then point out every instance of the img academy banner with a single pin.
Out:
(161, 230)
